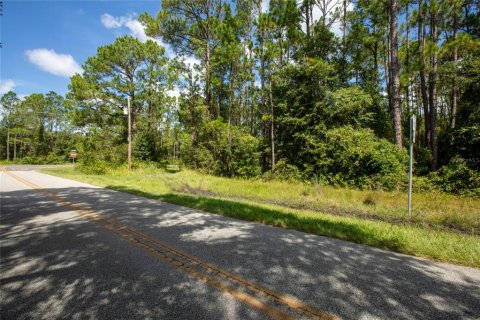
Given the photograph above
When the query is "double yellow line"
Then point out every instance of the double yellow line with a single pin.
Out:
(269, 302)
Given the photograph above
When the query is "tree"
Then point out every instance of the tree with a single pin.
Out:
(125, 68)
(9, 102)
(36, 107)
(432, 81)
(394, 74)
(189, 27)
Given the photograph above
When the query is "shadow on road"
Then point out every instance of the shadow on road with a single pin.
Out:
(55, 262)
(58, 265)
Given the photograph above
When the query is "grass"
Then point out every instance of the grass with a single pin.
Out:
(370, 217)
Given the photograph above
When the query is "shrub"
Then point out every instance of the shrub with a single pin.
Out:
(349, 157)
(423, 160)
(95, 163)
(457, 177)
(145, 147)
(54, 159)
(27, 160)
(222, 151)
(286, 171)
(97, 167)
(348, 106)
(423, 184)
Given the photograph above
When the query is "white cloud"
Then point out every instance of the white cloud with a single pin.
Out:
(6, 85)
(110, 22)
(135, 27)
(63, 65)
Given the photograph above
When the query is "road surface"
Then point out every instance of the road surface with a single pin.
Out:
(71, 250)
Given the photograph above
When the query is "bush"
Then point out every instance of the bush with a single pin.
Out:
(97, 167)
(95, 163)
(222, 151)
(54, 159)
(423, 184)
(358, 158)
(457, 177)
(27, 160)
(285, 171)
(423, 160)
(145, 147)
(349, 106)
(51, 158)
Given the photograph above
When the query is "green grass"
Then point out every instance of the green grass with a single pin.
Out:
(9, 162)
(370, 217)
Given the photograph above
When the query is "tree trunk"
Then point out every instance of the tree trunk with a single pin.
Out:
(394, 75)
(272, 123)
(344, 22)
(252, 93)
(307, 18)
(375, 61)
(423, 82)
(455, 85)
(230, 104)
(8, 144)
(208, 97)
(432, 83)
(262, 71)
(15, 146)
(407, 60)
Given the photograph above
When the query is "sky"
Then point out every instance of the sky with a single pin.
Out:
(45, 42)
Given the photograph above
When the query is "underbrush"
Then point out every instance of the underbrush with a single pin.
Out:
(432, 209)
(49, 159)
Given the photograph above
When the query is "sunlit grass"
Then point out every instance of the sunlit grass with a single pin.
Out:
(371, 217)
(434, 209)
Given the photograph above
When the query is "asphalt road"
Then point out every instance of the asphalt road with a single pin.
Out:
(75, 251)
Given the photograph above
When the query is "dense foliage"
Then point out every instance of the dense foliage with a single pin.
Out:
(281, 93)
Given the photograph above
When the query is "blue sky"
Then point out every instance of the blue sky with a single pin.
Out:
(45, 42)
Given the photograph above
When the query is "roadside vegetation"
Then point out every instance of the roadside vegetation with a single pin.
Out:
(443, 227)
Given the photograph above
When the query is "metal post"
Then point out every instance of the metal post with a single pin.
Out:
(129, 136)
(410, 165)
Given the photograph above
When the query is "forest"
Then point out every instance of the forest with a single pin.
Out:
(308, 90)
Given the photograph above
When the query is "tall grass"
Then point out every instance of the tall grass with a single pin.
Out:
(434, 209)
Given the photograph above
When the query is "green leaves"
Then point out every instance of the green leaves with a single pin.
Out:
(349, 106)
(356, 157)
(124, 68)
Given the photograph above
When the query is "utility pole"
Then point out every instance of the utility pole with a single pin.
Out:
(129, 135)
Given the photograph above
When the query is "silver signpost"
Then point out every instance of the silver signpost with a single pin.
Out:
(410, 165)
(129, 136)
(127, 111)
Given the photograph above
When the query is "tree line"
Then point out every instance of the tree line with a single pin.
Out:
(278, 92)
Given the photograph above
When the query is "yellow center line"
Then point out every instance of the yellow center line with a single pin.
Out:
(181, 260)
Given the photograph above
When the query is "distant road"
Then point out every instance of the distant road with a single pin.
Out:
(70, 250)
